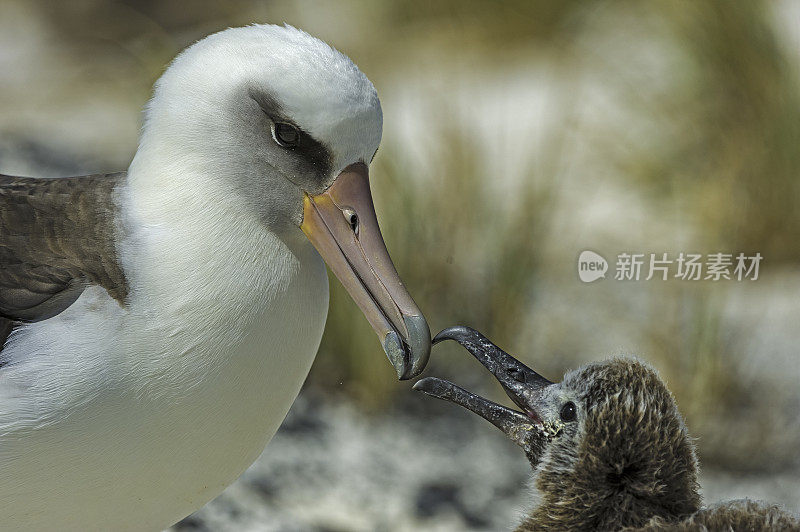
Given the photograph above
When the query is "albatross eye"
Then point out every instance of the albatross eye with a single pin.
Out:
(568, 412)
(285, 134)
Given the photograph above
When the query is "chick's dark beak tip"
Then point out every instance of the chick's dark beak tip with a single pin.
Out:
(457, 333)
(428, 385)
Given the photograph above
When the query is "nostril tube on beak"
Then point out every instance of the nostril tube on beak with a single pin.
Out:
(352, 219)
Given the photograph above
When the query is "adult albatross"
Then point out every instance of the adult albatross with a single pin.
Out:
(162, 321)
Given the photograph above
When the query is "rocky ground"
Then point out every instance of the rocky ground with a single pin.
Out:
(422, 466)
(330, 468)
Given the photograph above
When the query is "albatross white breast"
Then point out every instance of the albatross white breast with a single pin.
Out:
(160, 322)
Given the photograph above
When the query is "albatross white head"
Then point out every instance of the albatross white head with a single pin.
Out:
(285, 125)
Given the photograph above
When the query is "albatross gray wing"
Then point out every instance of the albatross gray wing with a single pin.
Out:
(56, 237)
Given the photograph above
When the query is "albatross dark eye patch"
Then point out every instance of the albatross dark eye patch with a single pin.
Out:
(311, 155)
(286, 135)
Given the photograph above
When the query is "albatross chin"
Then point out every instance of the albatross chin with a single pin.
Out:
(156, 325)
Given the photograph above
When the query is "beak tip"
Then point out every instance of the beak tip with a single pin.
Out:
(407, 361)
(418, 362)
(404, 374)
(408, 374)
(433, 386)
(453, 333)
(419, 386)
(395, 352)
(419, 344)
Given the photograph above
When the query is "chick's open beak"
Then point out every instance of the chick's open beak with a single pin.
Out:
(342, 226)
(523, 385)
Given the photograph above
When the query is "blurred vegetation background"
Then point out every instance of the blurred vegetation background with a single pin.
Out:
(517, 134)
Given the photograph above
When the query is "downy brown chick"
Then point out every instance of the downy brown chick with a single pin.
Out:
(607, 444)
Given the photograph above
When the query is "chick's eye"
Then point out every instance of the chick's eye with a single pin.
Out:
(568, 412)
(286, 134)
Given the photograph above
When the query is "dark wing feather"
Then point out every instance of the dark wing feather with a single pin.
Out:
(56, 237)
